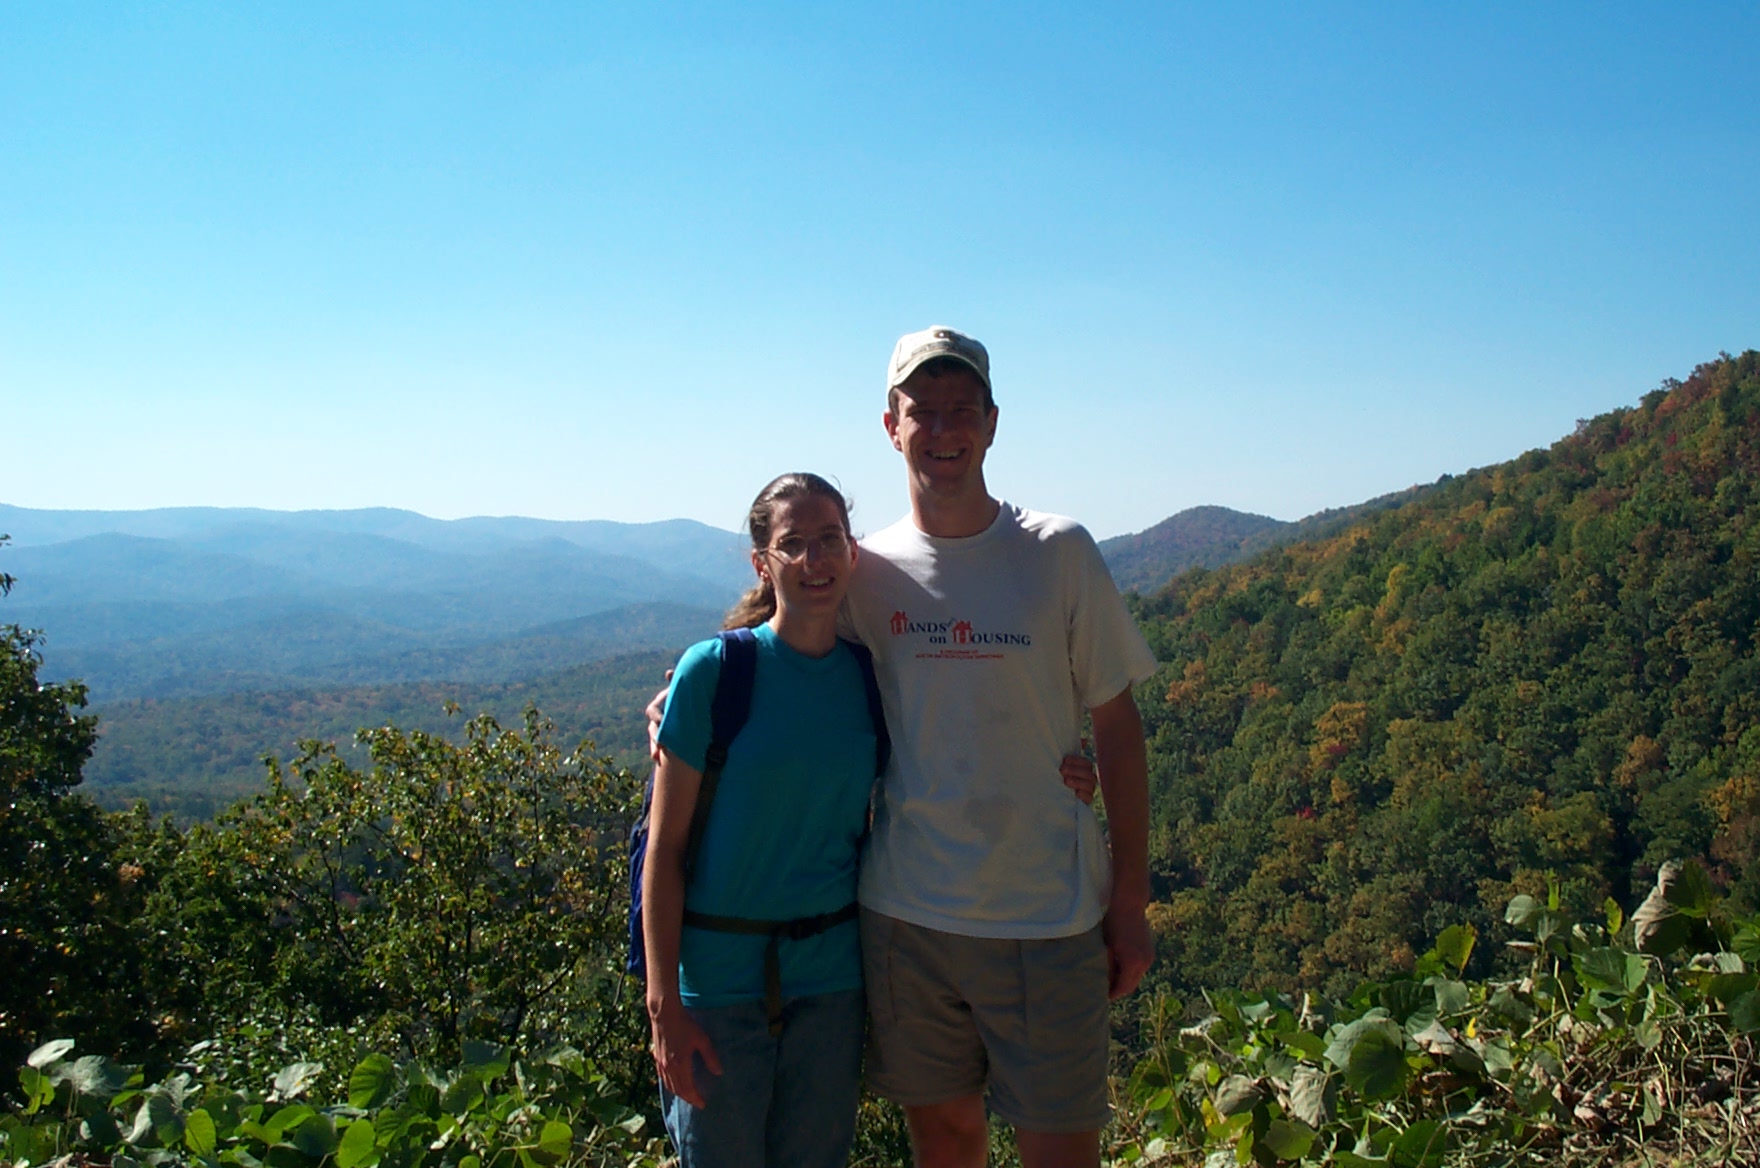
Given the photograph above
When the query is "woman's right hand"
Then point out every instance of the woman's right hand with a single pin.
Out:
(676, 1038)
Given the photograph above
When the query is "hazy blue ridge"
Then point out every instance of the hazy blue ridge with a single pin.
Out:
(201, 600)
(681, 546)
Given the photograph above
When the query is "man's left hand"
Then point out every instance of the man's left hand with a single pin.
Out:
(1130, 948)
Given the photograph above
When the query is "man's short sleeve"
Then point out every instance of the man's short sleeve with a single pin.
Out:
(1107, 651)
(684, 730)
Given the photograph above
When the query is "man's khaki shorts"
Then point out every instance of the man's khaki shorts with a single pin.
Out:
(951, 1015)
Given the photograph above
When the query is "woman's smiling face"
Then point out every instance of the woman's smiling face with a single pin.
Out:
(809, 556)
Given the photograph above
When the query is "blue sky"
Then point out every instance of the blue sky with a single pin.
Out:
(586, 261)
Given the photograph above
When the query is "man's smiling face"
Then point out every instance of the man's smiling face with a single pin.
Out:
(942, 428)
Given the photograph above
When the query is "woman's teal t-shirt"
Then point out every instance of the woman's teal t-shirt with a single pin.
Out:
(786, 827)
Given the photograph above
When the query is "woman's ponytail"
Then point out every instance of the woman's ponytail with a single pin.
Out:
(754, 608)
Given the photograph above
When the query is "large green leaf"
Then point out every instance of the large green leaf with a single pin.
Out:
(359, 1146)
(315, 1136)
(284, 1121)
(1455, 945)
(465, 1094)
(1422, 1145)
(1745, 941)
(1744, 1012)
(1288, 1139)
(424, 1099)
(1452, 997)
(1345, 1039)
(1727, 987)
(371, 1082)
(100, 1129)
(200, 1135)
(1412, 1004)
(39, 1089)
(1691, 891)
(488, 1059)
(1377, 1066)
(1612, 970)
(1309, 1046)
(556, 1139)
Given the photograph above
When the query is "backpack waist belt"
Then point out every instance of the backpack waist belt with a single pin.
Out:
(798, 929)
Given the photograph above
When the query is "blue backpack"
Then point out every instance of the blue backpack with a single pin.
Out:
(728, 711)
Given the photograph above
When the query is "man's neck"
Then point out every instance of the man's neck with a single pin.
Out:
(954, 516)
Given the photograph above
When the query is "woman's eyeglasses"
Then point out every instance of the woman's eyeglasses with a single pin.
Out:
(792, 549)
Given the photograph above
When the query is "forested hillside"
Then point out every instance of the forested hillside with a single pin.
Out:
(1198, 537)
(1209, 537)
(1540, 670)
(191, 757)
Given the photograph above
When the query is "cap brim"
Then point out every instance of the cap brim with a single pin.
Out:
(923, 358)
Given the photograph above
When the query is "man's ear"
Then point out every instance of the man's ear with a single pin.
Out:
(891, 424)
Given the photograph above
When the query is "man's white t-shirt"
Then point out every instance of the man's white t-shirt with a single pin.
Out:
(988, 649)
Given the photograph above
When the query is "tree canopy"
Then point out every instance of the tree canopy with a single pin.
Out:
(1543, 669)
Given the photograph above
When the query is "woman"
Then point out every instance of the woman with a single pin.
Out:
(780, 844)
(761, 1066)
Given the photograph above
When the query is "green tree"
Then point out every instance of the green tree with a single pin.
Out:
(451, 892)
(1543, 670)
(70, 963)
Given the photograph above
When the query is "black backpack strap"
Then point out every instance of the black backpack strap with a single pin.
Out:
(728, 712)
(876, 711)
(798, 929)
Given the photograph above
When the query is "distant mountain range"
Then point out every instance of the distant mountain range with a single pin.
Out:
(202, 600)
(210, 636)
(197, 600)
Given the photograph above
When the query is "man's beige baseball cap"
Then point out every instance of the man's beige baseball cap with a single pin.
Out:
(936, 341)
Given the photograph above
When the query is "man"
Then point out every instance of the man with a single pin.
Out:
(996, 922)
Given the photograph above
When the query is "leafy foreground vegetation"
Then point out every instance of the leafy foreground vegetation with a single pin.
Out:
(488, 1112)
(1621, 1042)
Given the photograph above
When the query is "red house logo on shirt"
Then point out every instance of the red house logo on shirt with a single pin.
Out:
(962, 632)
(898, 623)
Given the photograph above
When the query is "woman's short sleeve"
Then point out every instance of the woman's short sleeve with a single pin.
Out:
(684, 730)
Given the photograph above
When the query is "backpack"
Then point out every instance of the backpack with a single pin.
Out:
(728, 711)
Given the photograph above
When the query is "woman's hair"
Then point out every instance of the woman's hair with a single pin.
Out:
(759, 603)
